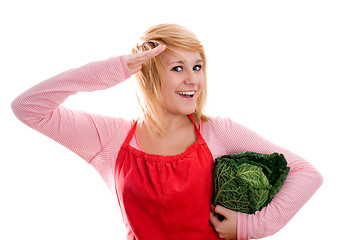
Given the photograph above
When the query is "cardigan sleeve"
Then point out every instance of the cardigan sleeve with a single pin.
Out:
(83, 133)
(302, 181)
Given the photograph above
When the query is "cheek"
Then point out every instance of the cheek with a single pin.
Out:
(201, 86)
(166, 84)
(170, 80)
(201, 81)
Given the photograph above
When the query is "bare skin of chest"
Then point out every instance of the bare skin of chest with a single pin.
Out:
(171, 143)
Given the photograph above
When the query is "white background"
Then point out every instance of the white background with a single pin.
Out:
(289, 70)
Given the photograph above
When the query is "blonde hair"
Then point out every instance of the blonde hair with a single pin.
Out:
(149, 78)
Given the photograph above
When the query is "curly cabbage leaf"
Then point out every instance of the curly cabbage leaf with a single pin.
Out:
(247, 182)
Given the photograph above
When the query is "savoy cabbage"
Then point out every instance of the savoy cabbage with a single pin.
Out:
(247, 182)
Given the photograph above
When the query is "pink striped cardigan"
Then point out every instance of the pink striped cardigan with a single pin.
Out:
(97, 139)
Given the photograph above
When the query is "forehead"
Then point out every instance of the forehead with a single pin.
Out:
(182, 56)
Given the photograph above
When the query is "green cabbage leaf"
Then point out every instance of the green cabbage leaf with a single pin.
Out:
(247, 182)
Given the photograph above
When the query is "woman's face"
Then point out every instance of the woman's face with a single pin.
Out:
(183, 81)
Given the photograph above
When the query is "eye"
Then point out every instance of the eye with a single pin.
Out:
(197, 68)
(177, 69)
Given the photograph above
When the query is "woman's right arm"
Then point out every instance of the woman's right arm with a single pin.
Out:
(85, 134)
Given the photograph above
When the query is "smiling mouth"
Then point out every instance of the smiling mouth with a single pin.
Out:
(187, 94)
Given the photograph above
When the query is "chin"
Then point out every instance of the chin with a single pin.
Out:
(189, 112)
(185, 113)
(181, 110)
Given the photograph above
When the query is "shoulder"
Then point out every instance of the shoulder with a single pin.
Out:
(110, 128)
(108, 124)
(231, 134)
(218, 131)
(124, 125)
(221, 124)
(224, 136)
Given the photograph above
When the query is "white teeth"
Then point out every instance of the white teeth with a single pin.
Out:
(187, 93)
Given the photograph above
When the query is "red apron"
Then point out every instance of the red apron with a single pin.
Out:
(165, 197)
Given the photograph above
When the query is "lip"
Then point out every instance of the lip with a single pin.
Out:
(190, 90)
(188, 94)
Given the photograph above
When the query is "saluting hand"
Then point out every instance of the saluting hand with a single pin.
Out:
(135, 61)
(226, 228)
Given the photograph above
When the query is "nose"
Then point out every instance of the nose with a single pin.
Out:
(192, 78)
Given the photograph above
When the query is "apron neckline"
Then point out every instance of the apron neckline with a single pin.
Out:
(140, 154)
(161, 158)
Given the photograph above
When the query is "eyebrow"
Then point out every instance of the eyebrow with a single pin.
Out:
(183, 61)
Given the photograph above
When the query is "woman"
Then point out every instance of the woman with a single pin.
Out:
(160, 166)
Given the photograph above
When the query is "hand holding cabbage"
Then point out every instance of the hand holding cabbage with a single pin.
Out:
(247, 182)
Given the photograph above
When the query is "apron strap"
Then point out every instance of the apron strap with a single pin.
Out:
(197, 131)
(131, 133)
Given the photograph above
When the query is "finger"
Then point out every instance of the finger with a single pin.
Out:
(214, 220)
(221, 210)
(150, 53)
(133, 71)
(145, 56)
(138, 57)
(134, 61)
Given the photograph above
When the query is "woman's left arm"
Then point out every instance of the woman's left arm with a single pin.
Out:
(302, 181)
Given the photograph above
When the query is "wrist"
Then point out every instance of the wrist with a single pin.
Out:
(124, 66)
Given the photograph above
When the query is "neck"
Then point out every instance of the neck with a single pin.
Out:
(174, 122)
(171, 124)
